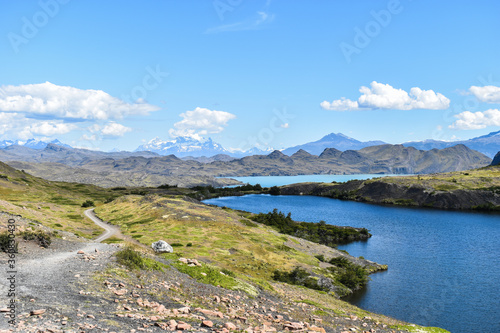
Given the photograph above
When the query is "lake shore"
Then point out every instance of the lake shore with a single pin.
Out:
(477, 189)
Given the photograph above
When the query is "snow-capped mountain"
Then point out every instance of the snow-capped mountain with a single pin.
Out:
(184, 146)
(32, 143)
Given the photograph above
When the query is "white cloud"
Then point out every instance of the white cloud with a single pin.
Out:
(259, 20)
(476, 120)
(200, 122)
(47, 99)
(488, 94)
(285, 125)
(342, 104)
(49, 128)
(384, 96)
(7, 121)
(114, 129)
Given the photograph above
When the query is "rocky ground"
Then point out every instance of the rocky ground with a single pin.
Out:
(77, 286)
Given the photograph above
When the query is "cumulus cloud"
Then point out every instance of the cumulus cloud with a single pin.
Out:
(342, 104)
(7, 121)
(49, 128)
(488, 94)
(201, 122)
(476, 120)
(47, 99)
(384, 96)
(114, 129)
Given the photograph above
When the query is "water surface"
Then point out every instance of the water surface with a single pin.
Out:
(444, 266)
(268, 181)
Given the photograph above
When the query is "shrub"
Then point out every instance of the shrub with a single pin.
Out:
(88, 203)
(176, 245)
(320, 257)
(7, 243)
(298, 276)
(275, 190)
(349, 274)
(189, 244)
(166, 186)
(42, 238)
(133, 260)
(321, 232)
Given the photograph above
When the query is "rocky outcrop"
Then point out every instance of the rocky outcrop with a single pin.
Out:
(382, 192)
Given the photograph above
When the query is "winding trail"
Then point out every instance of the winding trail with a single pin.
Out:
(110, 230)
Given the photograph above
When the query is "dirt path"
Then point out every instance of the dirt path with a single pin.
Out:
(110, 229)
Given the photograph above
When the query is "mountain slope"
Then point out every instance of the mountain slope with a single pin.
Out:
(338, 141)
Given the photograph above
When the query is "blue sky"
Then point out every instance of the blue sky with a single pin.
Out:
(114, 74)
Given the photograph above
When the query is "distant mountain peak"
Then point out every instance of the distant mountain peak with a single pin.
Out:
(338, 141)
(33, 143)
(183, 146)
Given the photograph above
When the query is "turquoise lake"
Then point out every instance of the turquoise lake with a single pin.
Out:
(268, 181)
(444, 266)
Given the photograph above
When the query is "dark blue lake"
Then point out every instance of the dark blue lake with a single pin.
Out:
(444, 266)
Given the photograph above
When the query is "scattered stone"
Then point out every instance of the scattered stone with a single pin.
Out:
(207, 323)
(230, 326)
(80, 252)
(162, 247)
(183, 326)
(184, 310)
(37, 312)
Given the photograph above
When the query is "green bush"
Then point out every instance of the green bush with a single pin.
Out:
(133, 260)
(320, 232)
(320, 257)
(42, 238)
(275, 190)
(349, 274)
(88, 203)
(298, 276)
(176, 245)
(189, 244)
(5, 241)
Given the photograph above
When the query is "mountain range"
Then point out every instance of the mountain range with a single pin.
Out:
(32, 143)
(488, 144)
(207, 150)
(149, 169)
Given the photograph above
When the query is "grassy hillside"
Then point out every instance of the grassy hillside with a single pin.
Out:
(487, 178)
(53, 204)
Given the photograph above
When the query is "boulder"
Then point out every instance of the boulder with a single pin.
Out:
(162, 247)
